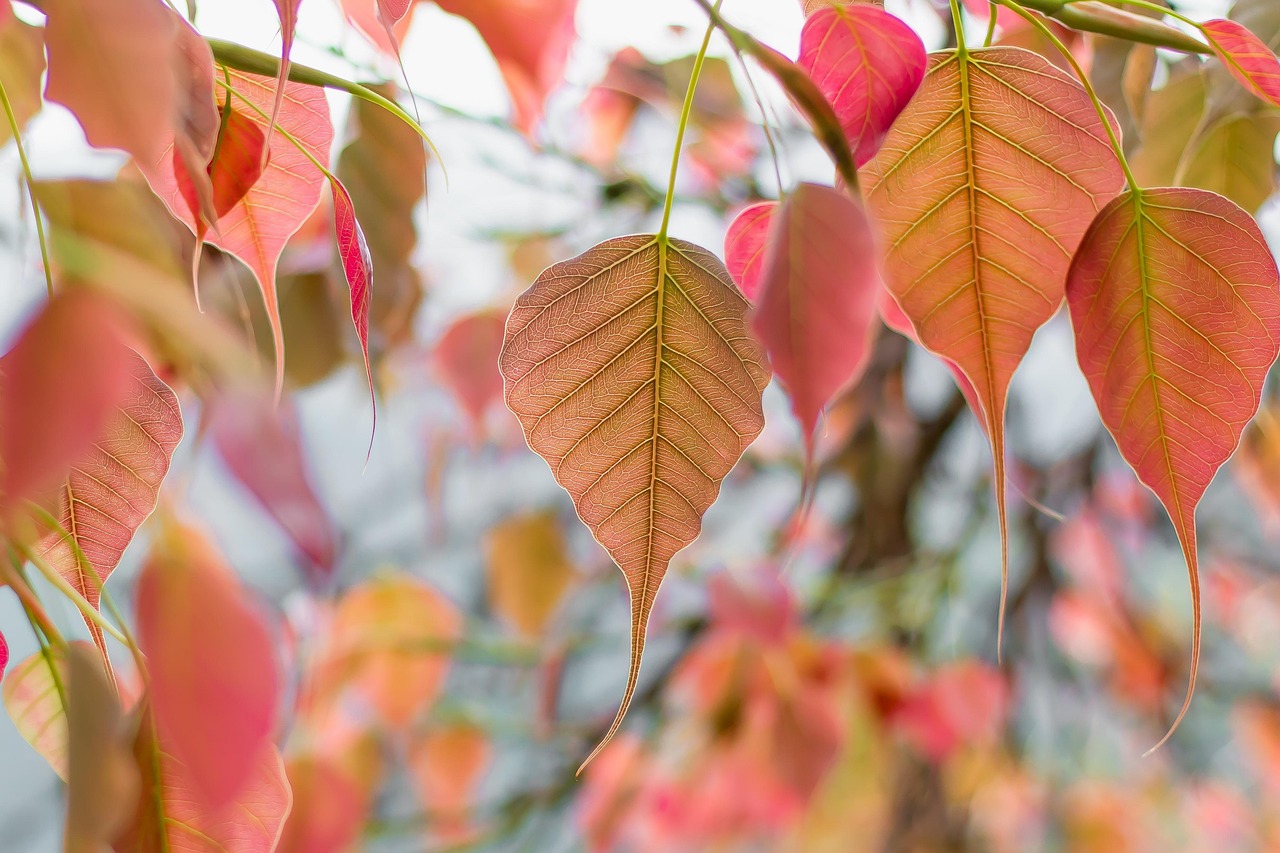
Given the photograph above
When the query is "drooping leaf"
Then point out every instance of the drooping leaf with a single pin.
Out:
(1246, 56)
(466, 357)
(357, 268)
(447, 764)
(113, 488)
(1175, 302)
(633, 374)
(257, 228)
(35, 696)
(60, 386)
(529, 571)
(214, 681)
(390, 646)
(288, 12)
(816, 309)
(982, 192)
(744, 246)
(261, 445)
(103, 784)
(173, 818)
(236, 165)
(868, 63)
(366, 16)
(530, 39)
(111, 65)
(21, 69)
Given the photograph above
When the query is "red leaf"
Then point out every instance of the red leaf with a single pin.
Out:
(257, 228)
(1247, 57)
(894, 317)
(744, 246)
(1175, 302)
(531, 41)
(236, 165)
(4, 653)
(357, 266)
(817, 305)
(262, 448)
(288, 11)
(467, 358)
(59, 387)
(214, 682)
(197, 121)
(868, 64)
(110, 64)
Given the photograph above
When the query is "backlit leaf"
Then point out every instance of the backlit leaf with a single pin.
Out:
(35, 695)
(288, 12)
(329, 807)
(529, 571)
(197, 119)
(1247, 57)
(982, 191)
(1175, 301)
(530, 39)
(868, 63)
(357, 268)
(744, 246)
(113, 488)
(237, 164)
(214, 681)
(817, 306)
(467, 359)
(261, 444)
(60, 386)
(366, 16)
(21, 69)
(111, 65)
(173, 818)
(634, 376)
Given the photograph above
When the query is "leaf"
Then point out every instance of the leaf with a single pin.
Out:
(1236, 158)
(1175, 302)
(197, 119)
(261, 445)
(257, 228)
(113, 488)
(288, 12)
(530, 39)
(35, 695)
(982, 192)
(172, 818)
(236, 165)
(1168, 127)
(21, 69)
(528, 570)
(214, 681)
(1246, 56)
(103, 785)
(357, 268)
(110, 64)
(448, 764)
(4, 654)
(817, 305)
(60, 386)
(389, 645)
(868, 64)
(744, 246)
(466, 357)
(329, 807)
(633, 374)
(366, 16)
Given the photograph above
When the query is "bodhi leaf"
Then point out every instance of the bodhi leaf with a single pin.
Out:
(744, 246)
(1247, 57)
(1175, 302)
(633, 374)
(982, 191)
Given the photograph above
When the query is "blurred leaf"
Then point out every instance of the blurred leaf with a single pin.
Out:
(21, 69)
(447, 764)
(744, 246)
(529, 571)
(329, 807)
(1236, 158)
(1167, 128)
(466, 357)
(364, 16)
(35, 695)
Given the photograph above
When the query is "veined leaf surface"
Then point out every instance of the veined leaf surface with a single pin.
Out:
(1175, 301)
(1247, 57)
(633, 374)
(982, 191)
(35, 695)
(744, 246)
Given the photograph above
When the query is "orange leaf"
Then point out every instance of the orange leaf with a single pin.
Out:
(213, 676)
(633, 374)
(531, 41)
(329, 807)
(1175, 301)
(35, 695)
(529, 571)
(1247, 57)
(113, 489)
(447, 765)
(983, 190)
(467, 359)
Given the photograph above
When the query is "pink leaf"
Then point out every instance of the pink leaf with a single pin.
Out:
(868, 64)
(110, 64)
(4, 651)
(357, 266)
(817, 302)
(262, 448)
(531, 41)
(236, 166)
(59, 386)
(744, 246)
(288, 10)
(368, 17)
(467, 359)
(214, 682)
(1247, 57)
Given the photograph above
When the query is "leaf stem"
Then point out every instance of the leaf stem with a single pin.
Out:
(1094, 17)
(685, 112)
(29, 180)
(82, 604)
(962, 49)
(36, 615)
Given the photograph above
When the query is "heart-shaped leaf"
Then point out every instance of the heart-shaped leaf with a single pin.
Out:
(982, 191)
(868, 63)
(1246, 56)
(744, 246)
(1175, 302)
(633, 374)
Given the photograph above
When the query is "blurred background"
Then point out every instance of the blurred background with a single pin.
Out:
(843, 695)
